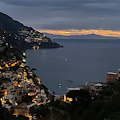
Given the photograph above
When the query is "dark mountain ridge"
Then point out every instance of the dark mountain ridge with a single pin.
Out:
(8, 24)
(23, 37)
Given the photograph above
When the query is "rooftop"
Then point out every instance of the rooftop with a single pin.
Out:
(111, 73)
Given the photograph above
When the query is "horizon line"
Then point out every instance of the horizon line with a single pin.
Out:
(69, 32)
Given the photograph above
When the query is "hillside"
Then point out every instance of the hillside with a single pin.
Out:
(8, 24)
(23, 37)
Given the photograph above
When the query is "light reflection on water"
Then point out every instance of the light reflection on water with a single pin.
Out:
(80, 61)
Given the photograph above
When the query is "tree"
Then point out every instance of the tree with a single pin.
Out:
(1, 112)
(26, 98)
(115, 116)
(80, 96)
(33, 69)
(84, 98)
(43, 113)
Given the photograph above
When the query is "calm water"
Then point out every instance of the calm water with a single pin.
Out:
(80, 60)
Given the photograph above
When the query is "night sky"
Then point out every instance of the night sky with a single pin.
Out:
(66, 16)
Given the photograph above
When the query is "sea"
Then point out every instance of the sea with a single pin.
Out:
(78, 62)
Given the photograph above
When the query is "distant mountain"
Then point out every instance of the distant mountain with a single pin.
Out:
(23, 37)
(89, 36)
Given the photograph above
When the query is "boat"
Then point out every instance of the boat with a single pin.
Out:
(60, 85)
(70, 81)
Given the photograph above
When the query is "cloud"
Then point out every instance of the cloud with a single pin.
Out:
(54, 2)
(65, 14)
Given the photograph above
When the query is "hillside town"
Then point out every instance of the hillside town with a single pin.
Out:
(94, 88)
(34, 37)
(20, 88)
(23, 94)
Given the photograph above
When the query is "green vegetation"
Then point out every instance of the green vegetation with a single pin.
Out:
(43, 113)
(2, 80)
(81, 96)
(105, 106)
(6, 115)
(26, 99)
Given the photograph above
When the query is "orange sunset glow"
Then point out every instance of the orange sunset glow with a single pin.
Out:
(83, 32)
